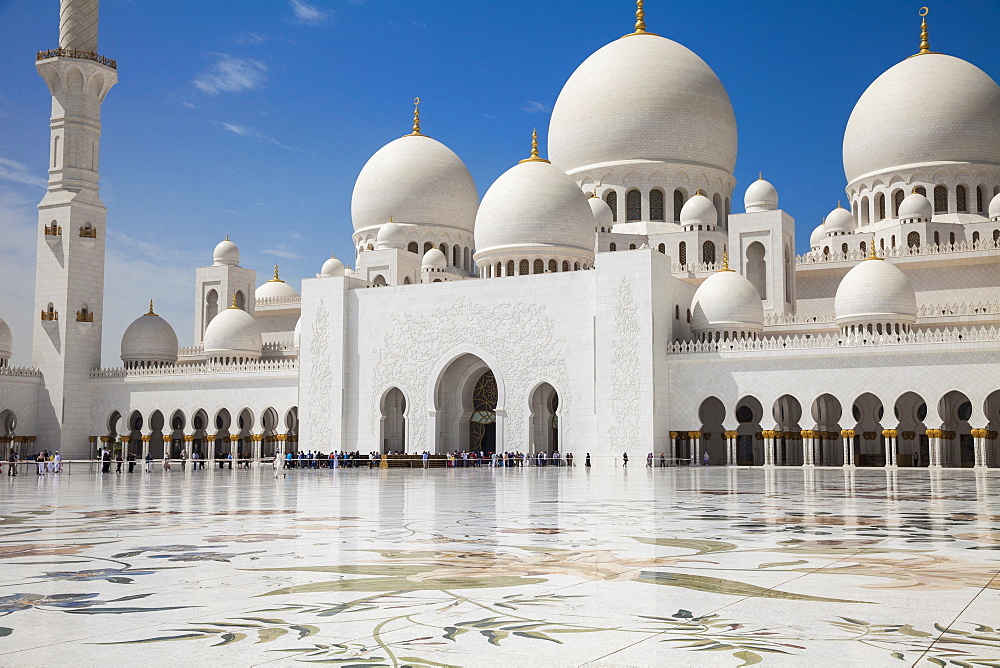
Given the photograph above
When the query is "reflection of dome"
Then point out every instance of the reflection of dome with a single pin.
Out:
(276, 289)
(995, 207)
(699, 210)
(434, 259)
(760, 196)
(875, 293)
(415, 180)
(930, 108)
(839, 221)
(603, 217)
(727, 303)
(149, 339)
(917, 206)
(817, 236)
(535, 208)
(390, 235)
(226, 253)
(234, 334)
(332, 267)
(7, 342)
(643, 97)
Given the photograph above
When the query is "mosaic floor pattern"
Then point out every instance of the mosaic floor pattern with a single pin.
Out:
(502, 567)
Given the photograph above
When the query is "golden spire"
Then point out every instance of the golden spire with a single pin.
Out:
(150, 307)
(227, 237)
(725, 262)
(760, 176)
(416, 118)
(593, 193)
(534, 149)
(640, 21)
(276, 279)
(872, 255)
(234, 301)
(925, 46)
(699, 192)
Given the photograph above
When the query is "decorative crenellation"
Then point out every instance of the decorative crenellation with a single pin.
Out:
(200, 369)
(805, 341)
(24, 371)
(771, 318)
(278, 301)
(75, 53)
(814, 257)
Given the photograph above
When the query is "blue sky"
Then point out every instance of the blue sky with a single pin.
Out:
(253, 118)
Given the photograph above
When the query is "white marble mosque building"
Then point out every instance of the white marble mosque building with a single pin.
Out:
(607, 299)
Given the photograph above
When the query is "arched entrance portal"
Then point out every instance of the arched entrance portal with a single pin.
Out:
(483, 421)
(393, 422)
(544, 419)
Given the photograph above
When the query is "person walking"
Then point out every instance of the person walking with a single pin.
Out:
(587, 462)
(118, 462)
(624, 460)
(276, 464)
(149, 462)
(105, 460)
(57, 462)
(569, 459)
(130, 458)
(183, 458)
(166, 463)
(12, 463)
(40, 461)
(705, 458)
(663, 459)
(649, 460)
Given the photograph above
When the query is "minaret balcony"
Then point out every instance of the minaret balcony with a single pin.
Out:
(54, 231)
(88, 232)
(74, 53)
(85, 316)
(50, 316)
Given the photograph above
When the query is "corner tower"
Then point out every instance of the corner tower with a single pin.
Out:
(69, 270)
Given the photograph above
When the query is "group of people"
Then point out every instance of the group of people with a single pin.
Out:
(47, 462)
(332, 460)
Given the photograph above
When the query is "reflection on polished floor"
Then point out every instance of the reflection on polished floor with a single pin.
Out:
(505, 567)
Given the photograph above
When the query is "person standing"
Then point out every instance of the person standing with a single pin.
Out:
(663, 459)
(105, 460)
(624, 460)
(705, 458)
(12, 463)
(130, 458)
(569, 459)
(586, 463)
(40, 461)
(57, 462)
(649, 460)
(166, 463)
(149, 462)
(118, 461)
(183, 458)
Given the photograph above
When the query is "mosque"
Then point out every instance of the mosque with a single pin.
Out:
(629, 308)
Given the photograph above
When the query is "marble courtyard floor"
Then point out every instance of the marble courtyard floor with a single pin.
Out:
(505, 567)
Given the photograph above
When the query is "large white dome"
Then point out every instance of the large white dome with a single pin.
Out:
(927, 109)
(276, 289)
(874, 292)
(415, 180)
(534, 207)
(817, 236)
(6, 341)
(727, 302)
(233, 333)
(643, 97)
(149, 338)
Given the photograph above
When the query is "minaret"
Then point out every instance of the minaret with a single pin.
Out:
(69, 272)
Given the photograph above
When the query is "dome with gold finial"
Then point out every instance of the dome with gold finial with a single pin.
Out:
(149, 341)
(876, 297)
(699, 211)
(332, 267)
(726, 306)
(839, 221)
(233, 336)
(276, 289)
(226, 252)
(760, 196)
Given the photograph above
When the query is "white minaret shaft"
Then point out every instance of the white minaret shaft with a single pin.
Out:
(69, 272)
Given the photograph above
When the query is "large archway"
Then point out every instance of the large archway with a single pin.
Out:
(712, 415)
(156, 423)
(826, 413)
(468, 407)
(749, 447)
(869, 444)
(912, 445)
(787, 412)
(544, 406)
(393, 422)
(957, 444)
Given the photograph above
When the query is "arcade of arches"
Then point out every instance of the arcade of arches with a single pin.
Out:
(825, 434)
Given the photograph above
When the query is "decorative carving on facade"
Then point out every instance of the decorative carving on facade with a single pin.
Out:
(320, 376)
(625, 403)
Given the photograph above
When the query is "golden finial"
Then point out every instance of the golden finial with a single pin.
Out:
(640, 20)
(390, 219)
(872, 255)
(593, 193)
(276, 279)
(416, 117)
(699, 192)
(234, 301)
(725, 262)
(151, 308)
(760, 176)
(925, 46)
(914, 191)
(838, 205)
(227, 237)
(534, 149)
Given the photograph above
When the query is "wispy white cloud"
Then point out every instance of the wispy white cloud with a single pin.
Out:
(187, 104)
(536, 107)
(282, 251)
(247, 131)
(308, 13)
(295, 235)
(11, 170)
(229, 74)
(18, 217)
(250, 38)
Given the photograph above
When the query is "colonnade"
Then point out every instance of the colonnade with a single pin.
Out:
(280, 445)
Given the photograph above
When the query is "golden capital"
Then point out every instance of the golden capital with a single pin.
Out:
(847, 433)
(694, 434)
(673, 434)
(889, 433)
(188, 438)
(934, 433)
(234, 437)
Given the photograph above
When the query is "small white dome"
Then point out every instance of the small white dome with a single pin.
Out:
(699, 210)
(817, 236)
(332, 267)
(390, 235)
(297, 333)
(915, 205)
(873, 292)
(227, 253)
(276, 289)
(233, 333)
(760, 196)
(603, 217)
(149, 338)
(434, 259)
(7, 341)
(727, 302)
(534, 207)
(839, 221)
(995, 207)
(348, 271)
(416, 180)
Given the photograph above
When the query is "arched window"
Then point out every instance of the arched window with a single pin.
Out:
(427, 246)
(677, 312)
(788, 275)
(979, 199)
(510, 267)
(864, 248)
(961, 201)
(456, 253)
(975, 237)
(689, 316)
(881, 243)
(880, 206)
(538, 267)
(897, 199)
(631, 246)
(937, 239)
(756, 268)
(826, 250)
(662, 248)
(864, 211)
(379, 281)
(498, 270)
(913, 239)
(523, 267)
(951, 238)
(717, 201)
(940, 199)
(406, 280)
(682, 253)
(565, 266)
(612, 199)
(241, 300)
(553, 266)
(466, 258)
(656, 204)
(678, 204)
(921, 190)
(444, 251)
(413, 247)
(633, 205)
(576, 266)
(708, 252)
(894, 241)
(843, 248)
(612, 247)
(996, 235)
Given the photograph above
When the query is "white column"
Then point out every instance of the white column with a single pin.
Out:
(980, 447)
(730, 448)
(848, 435)
(695, 440)
(768, 447)
(890, 447)
(808, 448)
(934, 436)
(672, 449)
